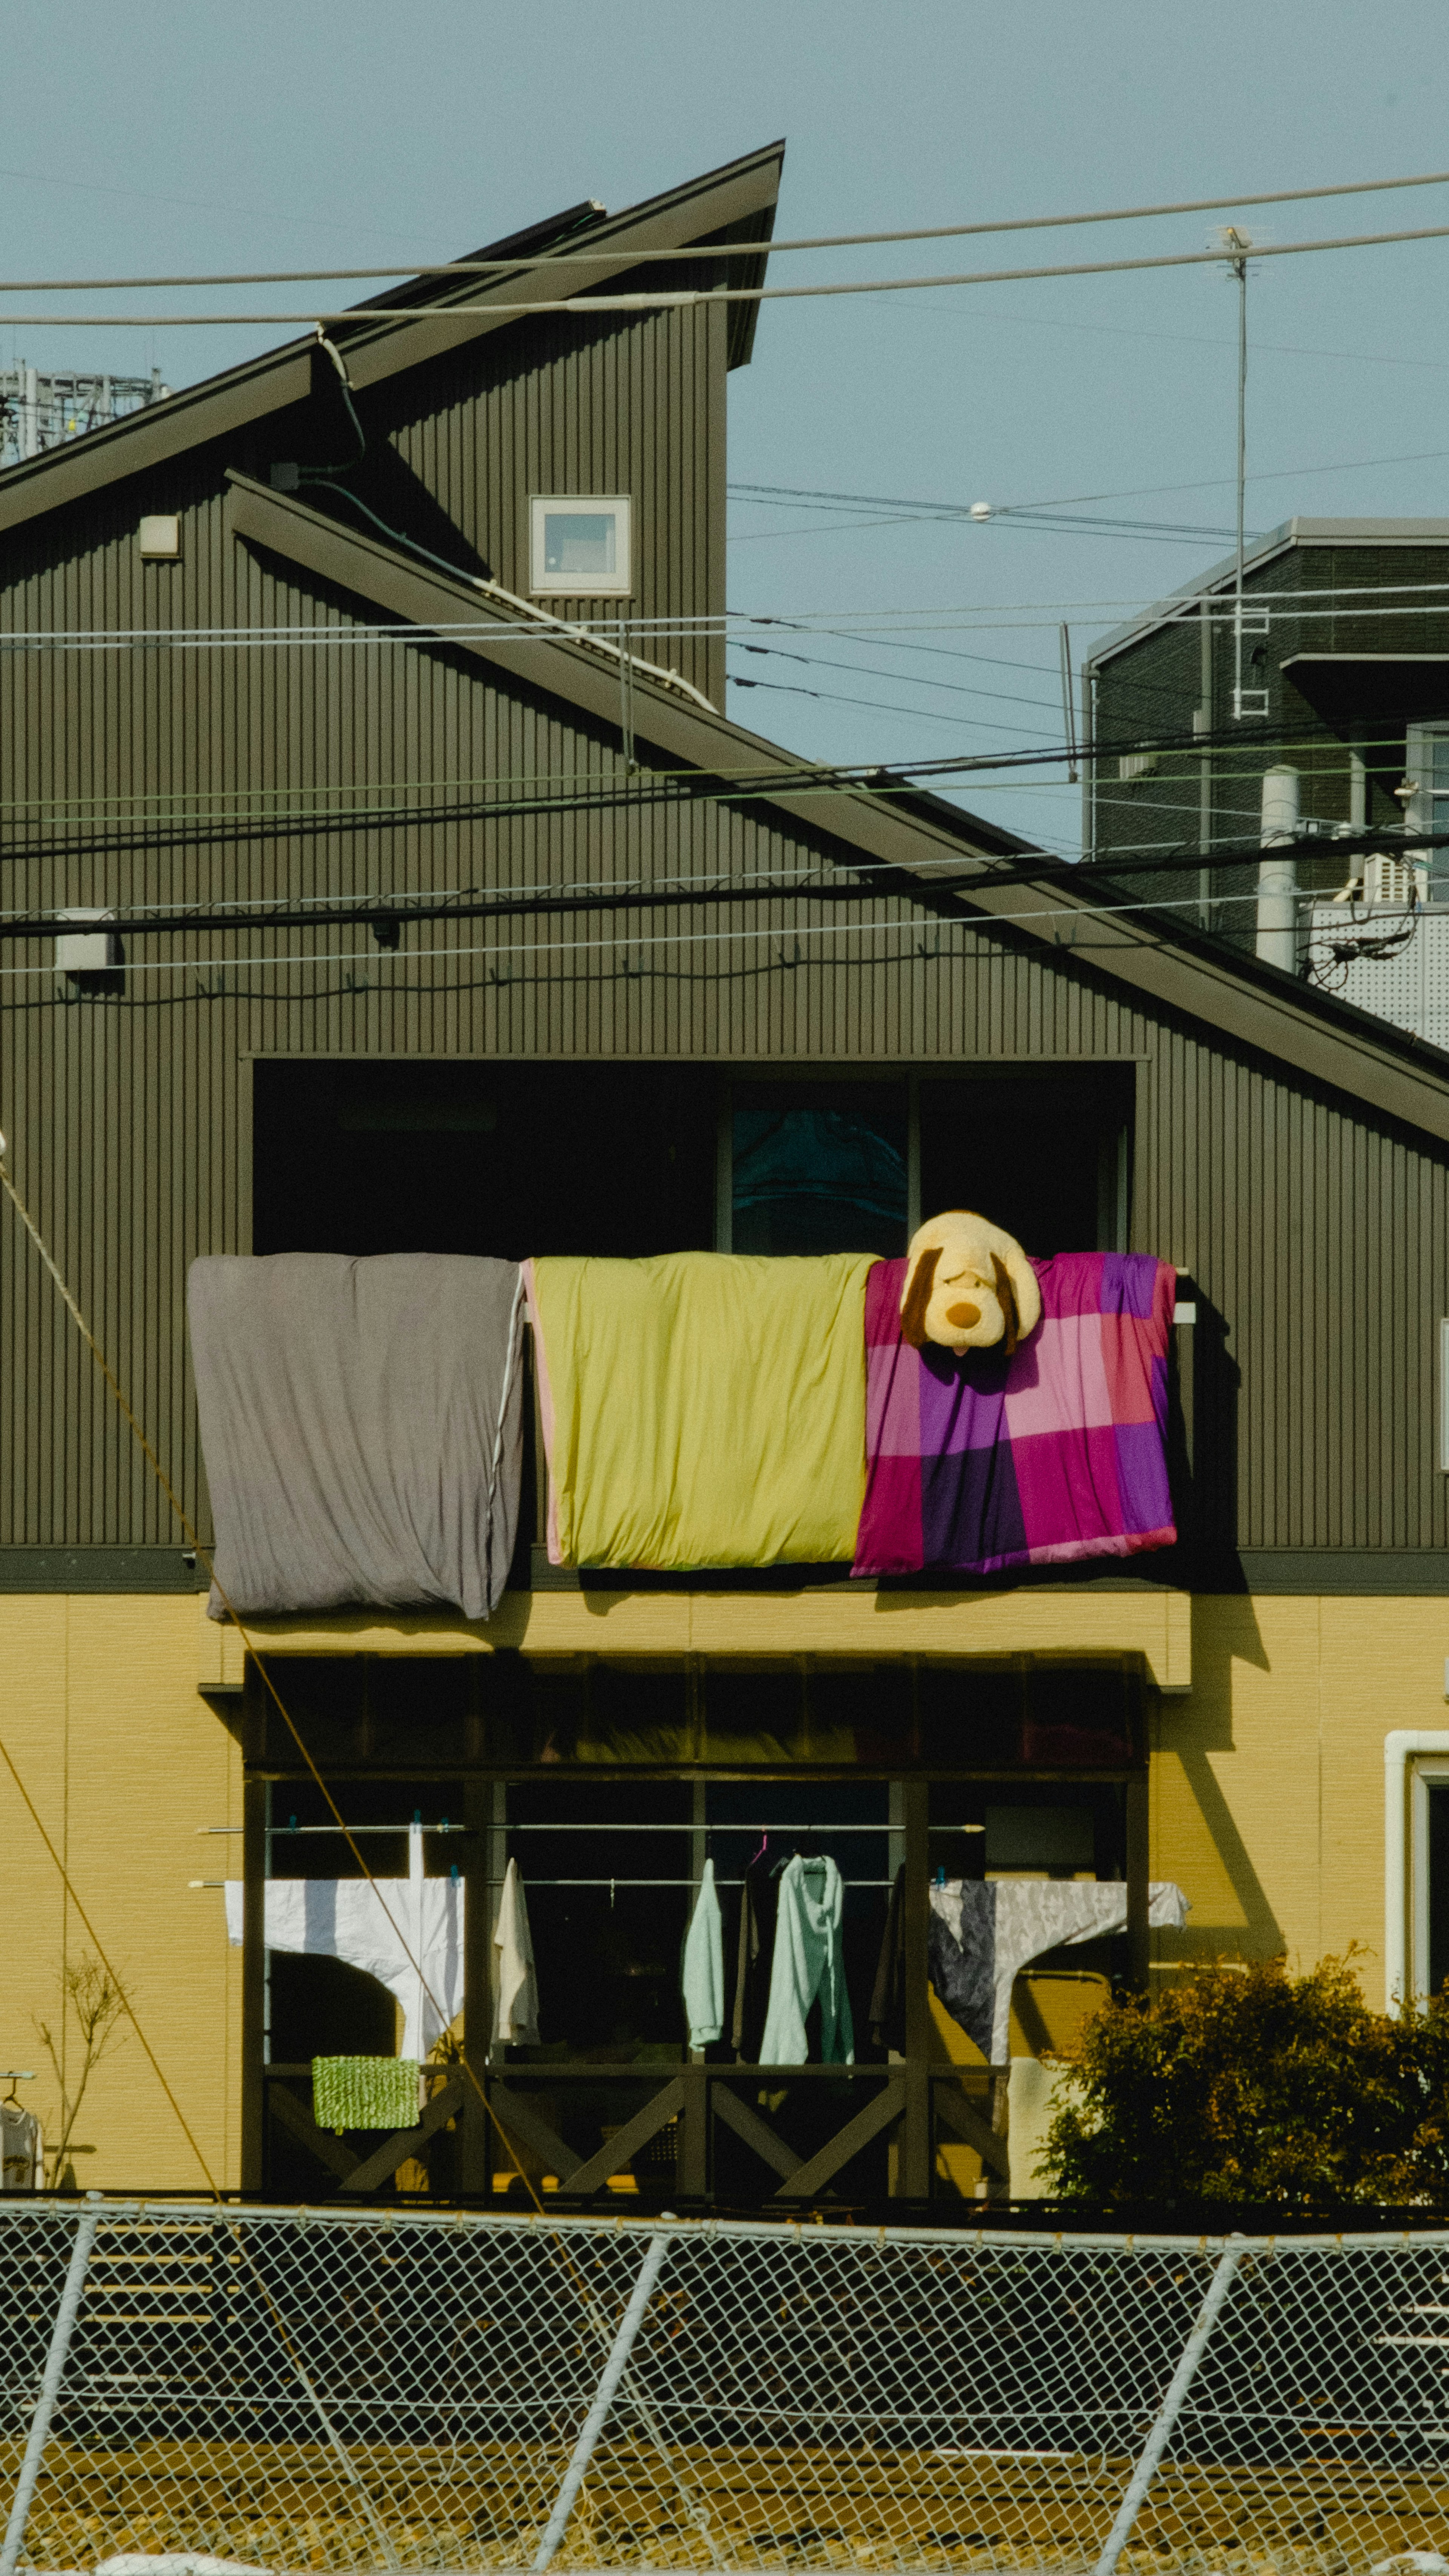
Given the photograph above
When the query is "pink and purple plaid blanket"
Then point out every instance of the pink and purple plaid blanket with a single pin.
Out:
(981, 1463)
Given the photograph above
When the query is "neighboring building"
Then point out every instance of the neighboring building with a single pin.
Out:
(43, 407)
(1341, 674)
(259, 655)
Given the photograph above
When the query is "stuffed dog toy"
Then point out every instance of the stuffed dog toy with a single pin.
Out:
(968, 1286)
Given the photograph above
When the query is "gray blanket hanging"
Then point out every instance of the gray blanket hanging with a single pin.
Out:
(362, 1425)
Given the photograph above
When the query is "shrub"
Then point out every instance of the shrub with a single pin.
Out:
(1256, 2087)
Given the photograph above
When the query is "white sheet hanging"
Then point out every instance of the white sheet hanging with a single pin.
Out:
(342, 1918)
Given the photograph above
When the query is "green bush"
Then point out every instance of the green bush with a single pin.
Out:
(1256, 2087)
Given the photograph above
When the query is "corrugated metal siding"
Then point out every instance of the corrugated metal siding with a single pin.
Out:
(1318, 1235)
(567, 407)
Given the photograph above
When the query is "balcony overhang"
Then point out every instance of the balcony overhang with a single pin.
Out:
(1153, 1621)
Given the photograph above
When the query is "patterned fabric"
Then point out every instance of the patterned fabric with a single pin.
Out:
(983, 1462)
(365, 2092)
(984, 1931)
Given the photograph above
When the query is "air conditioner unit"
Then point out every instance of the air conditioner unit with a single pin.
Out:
(1394, 880)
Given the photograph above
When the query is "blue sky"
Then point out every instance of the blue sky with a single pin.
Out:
(169, 136)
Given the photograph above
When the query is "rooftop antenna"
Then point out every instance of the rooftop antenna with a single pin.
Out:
(1237, 244)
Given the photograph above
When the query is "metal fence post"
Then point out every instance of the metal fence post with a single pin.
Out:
(1167, 2413)
(604, 2395)
(39, 2434)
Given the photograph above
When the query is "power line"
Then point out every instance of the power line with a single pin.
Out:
(974, 923)
(670, 788)
(566, 254)
(860, 881)
(644, 791)
(782, 495)
(867, 624)
(664, 298)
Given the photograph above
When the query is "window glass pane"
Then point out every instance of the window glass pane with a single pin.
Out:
(1438, 1963)
(819, 1168)
(1044, 1155)
(579, 541)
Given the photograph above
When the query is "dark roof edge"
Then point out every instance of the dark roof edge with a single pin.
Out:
(1274, 541)
(1323, 1040)
(740, 192)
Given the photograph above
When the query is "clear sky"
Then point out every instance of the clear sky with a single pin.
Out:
(163, 135)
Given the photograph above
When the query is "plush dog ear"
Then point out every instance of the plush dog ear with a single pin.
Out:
(1006, 1298)
(1025, 1286)
(918, 1297)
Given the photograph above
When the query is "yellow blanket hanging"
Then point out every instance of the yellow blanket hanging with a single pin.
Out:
(702, 1408)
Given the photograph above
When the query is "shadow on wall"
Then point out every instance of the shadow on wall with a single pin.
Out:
(1204, 1470)
(1197, 1838)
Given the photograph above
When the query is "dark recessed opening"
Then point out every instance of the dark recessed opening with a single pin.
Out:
(483, 1158)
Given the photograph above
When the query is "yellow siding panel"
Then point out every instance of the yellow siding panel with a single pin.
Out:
(124, 1763)
(1267, 1785)
(847, 1621)
(1383, 1667)
(1268, 1776)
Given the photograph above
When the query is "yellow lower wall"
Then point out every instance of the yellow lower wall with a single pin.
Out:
(1268, 1775)
(1267, 1807)
(100, 1716)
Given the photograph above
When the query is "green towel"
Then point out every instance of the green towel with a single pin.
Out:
(365, 2093)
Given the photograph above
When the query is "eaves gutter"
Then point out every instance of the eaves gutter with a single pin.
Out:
(377, 350)
(1254, 1006)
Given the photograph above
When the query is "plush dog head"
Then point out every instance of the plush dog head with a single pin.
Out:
(968, 1286)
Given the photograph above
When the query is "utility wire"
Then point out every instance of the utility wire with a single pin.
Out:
(866, 881)
(653, 299)
(975, 923)
(731, 624)
(650, 791)
(564, 253)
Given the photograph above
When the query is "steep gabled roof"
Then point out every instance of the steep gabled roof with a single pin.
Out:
(734, 203)
(915, 837)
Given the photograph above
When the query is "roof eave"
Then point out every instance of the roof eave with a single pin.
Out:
(740, 192)
(1275, 541)
(1251, 1005)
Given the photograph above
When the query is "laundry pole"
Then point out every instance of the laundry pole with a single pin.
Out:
(416, 2019)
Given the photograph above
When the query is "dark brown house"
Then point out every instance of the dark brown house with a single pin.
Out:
(452, 913)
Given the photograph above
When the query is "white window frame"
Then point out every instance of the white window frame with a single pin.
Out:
(1416, 1760)
(581, 505)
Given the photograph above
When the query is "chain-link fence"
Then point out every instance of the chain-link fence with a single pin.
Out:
(368, 2390)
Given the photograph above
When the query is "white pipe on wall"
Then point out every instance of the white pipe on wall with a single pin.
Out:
(1278, 877)
(1399, 1749)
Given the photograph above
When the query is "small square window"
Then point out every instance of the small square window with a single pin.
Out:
(581, 544)
(160, 539)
